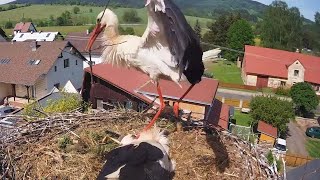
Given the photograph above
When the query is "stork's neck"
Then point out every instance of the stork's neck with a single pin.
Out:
(111, 32)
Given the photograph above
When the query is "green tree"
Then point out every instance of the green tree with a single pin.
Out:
(197, 29)
(218, 30)
(317, 18)
(8, 25)
(272, 110)
(304, 97)
(131, 16)
(239, 34)
(281, 27)
(76, 10)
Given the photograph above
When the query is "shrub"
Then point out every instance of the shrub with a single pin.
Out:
(283, 91)
(270, 158)
(64, 142)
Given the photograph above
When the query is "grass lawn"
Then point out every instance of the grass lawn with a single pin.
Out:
(242, 119)
(225, 71)
(313, 148)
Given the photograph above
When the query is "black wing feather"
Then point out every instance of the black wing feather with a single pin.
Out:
(184, 44)
(136, 159)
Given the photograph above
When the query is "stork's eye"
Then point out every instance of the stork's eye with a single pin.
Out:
(98, 20)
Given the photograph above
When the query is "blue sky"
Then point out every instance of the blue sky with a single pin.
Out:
(307, 7)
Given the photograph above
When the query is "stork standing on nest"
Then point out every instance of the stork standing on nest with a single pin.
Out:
(168, 49)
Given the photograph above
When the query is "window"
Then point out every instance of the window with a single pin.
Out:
(48, 34)
(283, 83)
(34, 61)
(57, 85)
(296, 72)
(21, 35)
(55, 68)
(66, 63)
(76, 62)
(4, 61)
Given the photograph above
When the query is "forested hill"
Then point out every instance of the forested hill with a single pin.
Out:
(203, 8)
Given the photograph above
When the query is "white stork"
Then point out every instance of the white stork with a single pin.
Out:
(168, 49)
(140, 159)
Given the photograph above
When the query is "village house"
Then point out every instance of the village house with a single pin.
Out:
(3, 36)
(24, 27)
(132, 89)
(267, 133)
(37, 36)
(265, 67)
(33, 69)
(80, 39)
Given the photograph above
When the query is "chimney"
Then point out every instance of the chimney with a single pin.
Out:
(298, 50)
(87, 31)
(34, 45)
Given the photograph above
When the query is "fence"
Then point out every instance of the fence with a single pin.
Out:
(296, 160)
(238, 86)
(235, 102)
(242, 132)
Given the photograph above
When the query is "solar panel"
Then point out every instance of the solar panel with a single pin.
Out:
(4, 61)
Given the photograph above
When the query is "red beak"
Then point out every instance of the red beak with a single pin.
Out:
(95, 33)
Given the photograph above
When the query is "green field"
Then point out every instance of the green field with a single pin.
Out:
(242, 119)
(225, 71)
(41, 12)
(313, 148)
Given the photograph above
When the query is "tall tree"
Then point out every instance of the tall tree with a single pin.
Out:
(218, 30)
(304, 98)
(76, 10)
(281, 27)
(272, 110)
(317, 18)
(239, 34)
(197, 29)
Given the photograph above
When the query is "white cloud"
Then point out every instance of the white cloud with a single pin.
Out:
(5, 1)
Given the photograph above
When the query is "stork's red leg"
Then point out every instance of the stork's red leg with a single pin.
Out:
(162, 105)
(176, 104)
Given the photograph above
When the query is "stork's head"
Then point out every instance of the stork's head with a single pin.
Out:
(105, 19)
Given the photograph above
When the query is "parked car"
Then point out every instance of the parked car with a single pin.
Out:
(4, 110)
(313, 132)
(280, 146)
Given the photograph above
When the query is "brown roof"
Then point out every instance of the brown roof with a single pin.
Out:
(80, 39)
(23, 26)
(267, 129)
(118, 77)
(134, 82)
(275, 63)
(202, 93)
(18, 70)
(219, 115)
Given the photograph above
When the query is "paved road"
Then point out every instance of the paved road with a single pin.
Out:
(234, 94)
(296, 140)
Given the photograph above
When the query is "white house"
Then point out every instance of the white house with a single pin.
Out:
(33, 69)
(37, 36)
(80, 40)
(265, 67)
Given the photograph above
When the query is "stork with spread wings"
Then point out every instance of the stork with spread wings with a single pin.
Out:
(168, 49)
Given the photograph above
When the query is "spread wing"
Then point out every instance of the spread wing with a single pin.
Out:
(167, 27)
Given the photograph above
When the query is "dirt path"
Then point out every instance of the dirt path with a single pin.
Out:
(296, 140)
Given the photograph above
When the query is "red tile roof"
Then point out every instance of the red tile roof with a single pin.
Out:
(125, 79)
(23, 27)
(134, 82)
(80, 39)
(219, 115)
(267, 129)
(202, 93)
(272, 62)
(17, 70)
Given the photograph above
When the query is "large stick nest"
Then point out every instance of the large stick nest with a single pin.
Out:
(71, 146)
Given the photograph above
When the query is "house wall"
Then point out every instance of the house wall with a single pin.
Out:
(292, 79)
(74, 72)
(266, 139)
(5, 90)
(251, 80)
(95, 58)
(275, 82)
(40, 88)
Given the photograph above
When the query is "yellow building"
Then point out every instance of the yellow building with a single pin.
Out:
(268, 133)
